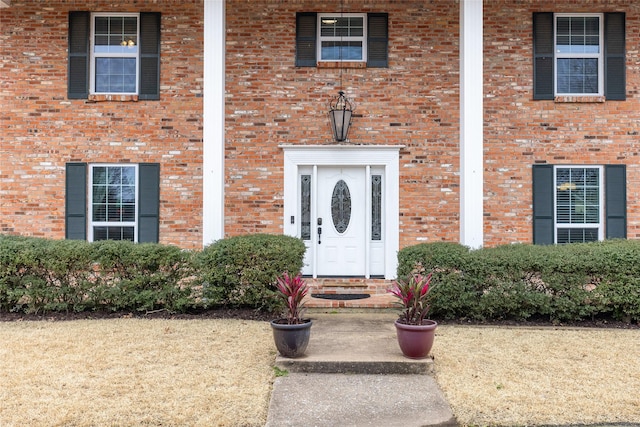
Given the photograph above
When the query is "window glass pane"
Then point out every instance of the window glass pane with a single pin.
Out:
(99, 212)
(113, 233)
(99, 175)
(115, 34)
(101, 25)
(337, 26)
(305, 207)
(127, 234)
(128, 212)
(99, 193)
(115, 75)
(113, 213)
(341, 50)
(341, 206)
(577, 75)
(100, 233)
(578, 34)
(577, 235)
(376, 207)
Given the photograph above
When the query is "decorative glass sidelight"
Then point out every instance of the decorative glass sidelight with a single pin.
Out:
(376, 207)
(305, 207)
(341, 206)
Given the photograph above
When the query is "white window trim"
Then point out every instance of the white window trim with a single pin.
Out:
(599, 225)
(362, 38)
(93, 55)
(599, 56)
(92, 223)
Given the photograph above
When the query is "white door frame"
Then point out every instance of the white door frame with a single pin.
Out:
(386, 156)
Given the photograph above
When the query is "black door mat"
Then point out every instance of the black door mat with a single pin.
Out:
(341, 297)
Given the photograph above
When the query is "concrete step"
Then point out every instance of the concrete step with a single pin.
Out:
(354, 375)
(354, 343)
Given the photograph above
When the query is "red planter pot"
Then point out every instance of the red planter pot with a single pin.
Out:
(416, 340)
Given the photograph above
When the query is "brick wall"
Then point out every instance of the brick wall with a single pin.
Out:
(269, 102)
(414, 102)
(42, 129)
(520, 132)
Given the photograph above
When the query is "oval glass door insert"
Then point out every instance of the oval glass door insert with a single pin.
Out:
(341, 206)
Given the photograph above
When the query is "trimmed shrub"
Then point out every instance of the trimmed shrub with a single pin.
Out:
(561, 283)
(143, 277)
(242, 270)
(40, 275)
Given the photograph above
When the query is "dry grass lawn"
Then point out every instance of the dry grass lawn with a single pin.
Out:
(539, 376)
(134, 372)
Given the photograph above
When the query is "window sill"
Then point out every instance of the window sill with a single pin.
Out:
(117, 98)
(579, 99)
(341, 64)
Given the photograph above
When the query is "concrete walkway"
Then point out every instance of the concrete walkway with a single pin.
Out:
(353, 374)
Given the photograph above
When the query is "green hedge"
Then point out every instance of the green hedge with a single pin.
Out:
(559, 283)
(242, 270)
(41, 275)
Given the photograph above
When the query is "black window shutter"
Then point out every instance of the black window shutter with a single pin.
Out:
(148, 202)
(543, 58)
(76, 201)
(306, 27)
(78, 63)
(149, 85)
(543, 215)
(615, 201)
(377, 40)
(614, 57)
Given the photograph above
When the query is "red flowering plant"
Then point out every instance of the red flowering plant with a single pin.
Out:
(413, 298)
(292, 290)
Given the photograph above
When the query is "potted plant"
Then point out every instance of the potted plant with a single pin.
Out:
(415, 333)
(291, 332)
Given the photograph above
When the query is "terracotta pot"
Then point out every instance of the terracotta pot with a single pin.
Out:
(291, 340)
(416, 340)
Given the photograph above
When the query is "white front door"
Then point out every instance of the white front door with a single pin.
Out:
(341, 221)
(342, 201)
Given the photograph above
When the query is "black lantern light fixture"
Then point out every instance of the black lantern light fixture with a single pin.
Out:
(340, 112)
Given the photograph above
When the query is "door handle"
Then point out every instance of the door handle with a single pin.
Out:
(319, 234)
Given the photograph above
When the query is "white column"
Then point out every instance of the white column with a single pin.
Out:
(213, 122)
(471, 124)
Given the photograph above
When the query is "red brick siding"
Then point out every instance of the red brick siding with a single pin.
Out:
(520, 131)
(414, 102)
(42, 129)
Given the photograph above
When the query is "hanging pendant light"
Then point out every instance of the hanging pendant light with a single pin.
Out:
(340, 113)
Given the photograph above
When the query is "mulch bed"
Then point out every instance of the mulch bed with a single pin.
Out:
(218, 313)
(252, 314)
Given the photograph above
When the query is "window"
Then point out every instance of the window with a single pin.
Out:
(579, 56)
(353, 37)
(112, 201)
(578, 203)
(578, 47)
(578, 200)
(342, 38)
(113, 195)
(114, 54)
